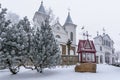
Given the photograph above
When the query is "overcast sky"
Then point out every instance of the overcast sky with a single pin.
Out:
(93, 14)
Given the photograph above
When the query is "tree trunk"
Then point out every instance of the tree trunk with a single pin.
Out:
(41, 70)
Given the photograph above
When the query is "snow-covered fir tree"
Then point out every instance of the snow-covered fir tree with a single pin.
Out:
(14, 43)
(4, 24)
(29, 32)
(19, 43)
(47, 53)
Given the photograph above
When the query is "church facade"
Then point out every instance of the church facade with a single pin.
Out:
(105, 49)
(62, 33)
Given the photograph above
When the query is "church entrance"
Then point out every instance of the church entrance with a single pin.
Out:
(107, 58)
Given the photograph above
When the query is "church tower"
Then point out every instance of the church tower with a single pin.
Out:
(70, 27)
(40, 15)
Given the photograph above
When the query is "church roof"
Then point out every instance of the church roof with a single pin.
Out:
(86, 46)
(99, 36)
(103, 36)
(68, 19)
(41, 8)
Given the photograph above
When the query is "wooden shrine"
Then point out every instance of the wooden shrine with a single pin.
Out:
(87, 56)
(86, 51)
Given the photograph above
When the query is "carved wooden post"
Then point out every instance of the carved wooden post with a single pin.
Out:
(69, 42)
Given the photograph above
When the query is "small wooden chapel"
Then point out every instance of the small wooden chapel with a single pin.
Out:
(87, 56)
(86, 51)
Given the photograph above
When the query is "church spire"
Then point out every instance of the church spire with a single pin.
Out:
(42, 9)
(68, 19)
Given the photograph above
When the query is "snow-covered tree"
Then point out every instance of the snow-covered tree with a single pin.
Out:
(36, 50)
(15, 45)
(4, 24)
(27, 28)
(19, 43)
(47, 53)
(23, 38)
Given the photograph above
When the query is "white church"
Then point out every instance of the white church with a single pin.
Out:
(62, 33)
(105, 49)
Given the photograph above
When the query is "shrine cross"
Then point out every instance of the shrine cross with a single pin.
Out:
(87, 35)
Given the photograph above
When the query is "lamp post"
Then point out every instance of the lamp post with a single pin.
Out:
(69, 42)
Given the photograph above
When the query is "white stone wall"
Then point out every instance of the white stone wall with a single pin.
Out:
(69, 29)
(64, 34)
(39, 18)
(61, 32)
(105, 49)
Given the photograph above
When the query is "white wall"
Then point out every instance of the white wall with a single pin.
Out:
(71, 28)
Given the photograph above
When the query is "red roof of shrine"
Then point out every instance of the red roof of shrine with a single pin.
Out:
(86, 46)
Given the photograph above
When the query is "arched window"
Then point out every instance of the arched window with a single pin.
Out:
(57, 36)
(58, 28)
(71, 36)
(100, 48)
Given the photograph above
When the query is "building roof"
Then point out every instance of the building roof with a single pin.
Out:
(68, 19)
(41, 8)
(86, 46)
(103, 36)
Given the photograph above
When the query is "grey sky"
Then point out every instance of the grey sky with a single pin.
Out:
(93, 14)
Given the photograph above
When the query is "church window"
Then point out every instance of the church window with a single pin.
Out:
(104, 42)
(101, 59)
(58, 36)
(71, 36)
(109, 44)
(100, 48)
(113, 51)
(58, 28)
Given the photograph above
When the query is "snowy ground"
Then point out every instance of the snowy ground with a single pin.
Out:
(104, 72)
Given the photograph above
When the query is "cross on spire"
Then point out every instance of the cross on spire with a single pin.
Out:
(68, 9)
(42, 2)
(103, 30)
(68, 19)
(87, 35)
(97, 33)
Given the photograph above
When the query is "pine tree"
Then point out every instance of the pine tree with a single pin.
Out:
(23, 44)
(29, 32)
(15, 46)
(47, 50)
(36, 50)
(4, 24)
